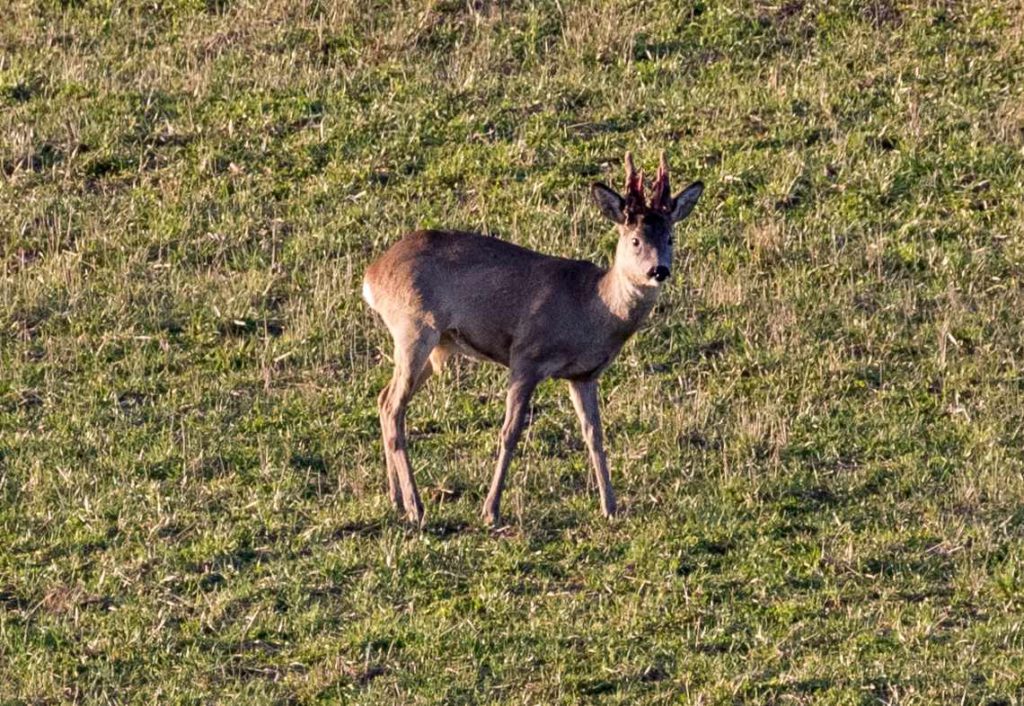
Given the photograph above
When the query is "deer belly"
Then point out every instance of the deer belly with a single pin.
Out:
(491, 348)
(587, 369)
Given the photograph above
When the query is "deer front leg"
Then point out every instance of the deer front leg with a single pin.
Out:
(584, 399)
(516, 403)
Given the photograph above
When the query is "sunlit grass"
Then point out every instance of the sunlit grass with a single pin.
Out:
(816, 441)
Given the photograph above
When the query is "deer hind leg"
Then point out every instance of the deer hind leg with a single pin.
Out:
(516, 404)
(435, 363)
(411, 358)
(394, 487)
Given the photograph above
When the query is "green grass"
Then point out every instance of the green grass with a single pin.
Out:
(817, 440)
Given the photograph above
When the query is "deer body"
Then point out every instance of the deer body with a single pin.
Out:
(446, 292)
(567, 319)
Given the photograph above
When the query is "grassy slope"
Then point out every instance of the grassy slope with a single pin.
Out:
(817, 441)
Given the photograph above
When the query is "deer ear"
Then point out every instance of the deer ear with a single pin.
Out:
(685, 200)
(611, 204)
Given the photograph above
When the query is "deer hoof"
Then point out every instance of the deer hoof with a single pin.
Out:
(397, 504)
(414, 514)
(491, 516)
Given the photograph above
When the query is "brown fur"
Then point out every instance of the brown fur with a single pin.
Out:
(445, 292)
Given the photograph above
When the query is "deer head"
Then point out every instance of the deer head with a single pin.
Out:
(644, 250)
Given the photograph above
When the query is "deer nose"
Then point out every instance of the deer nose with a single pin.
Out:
(659, 273)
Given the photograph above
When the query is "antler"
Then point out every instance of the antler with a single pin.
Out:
(634, 187)
(661, 194)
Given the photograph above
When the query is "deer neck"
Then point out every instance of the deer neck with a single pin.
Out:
(626, 301)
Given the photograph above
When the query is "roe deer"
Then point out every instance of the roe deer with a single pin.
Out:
(444, 292)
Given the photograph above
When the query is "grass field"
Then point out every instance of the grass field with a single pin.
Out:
(817, 441)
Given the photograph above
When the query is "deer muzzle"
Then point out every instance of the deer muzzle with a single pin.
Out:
(659, 273)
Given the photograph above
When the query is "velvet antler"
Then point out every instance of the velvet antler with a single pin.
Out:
(634, 187)
(661, 194)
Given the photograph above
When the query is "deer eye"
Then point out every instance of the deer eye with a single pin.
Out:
(636, 242)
